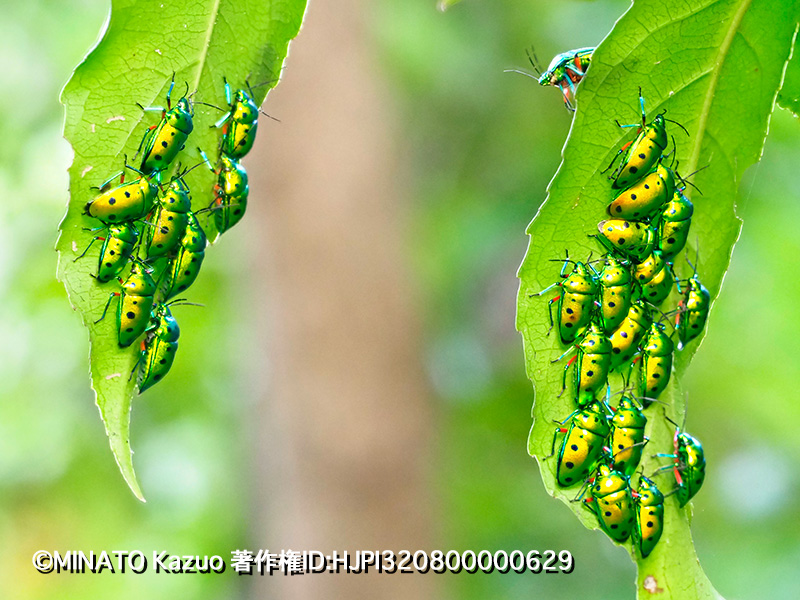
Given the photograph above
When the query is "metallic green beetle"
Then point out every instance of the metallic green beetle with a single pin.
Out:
(164, 140)
(239, 124)
(576, 302)
(631, 239)
(641, 154)
(673, 225)
(646, 196)
(168, 221)
(692, 311)
(689, 466)
(565, 72)
(616, 289)
(656, 364)
(655, 278)
(230, 192)
(158, 348)
(591, 361)
(627, 436)
(612, 502)
(116, 251)
(582, 445)
(649, 516)
(125, 202)
(625, 339)
(184, 267)
(135, 304)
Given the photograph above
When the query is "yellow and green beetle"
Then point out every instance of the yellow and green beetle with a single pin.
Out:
(576, 302)
(125, 202)
(643, 198)
(169, 219)
(183, 268)
(627, 436)
(689, 467)
(591, 362)
(163, 141)
(616, 289)
(611, 500)
(135, 304)
(673, 225)
(692, 311)
(656, 364)
(649, 516)
(655, 278)
(625, 339)
(118, 246)
(158, 348)
(582, 445)
(631, 239)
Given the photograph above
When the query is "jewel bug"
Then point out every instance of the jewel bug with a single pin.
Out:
(135, 304)
(611, 500)
(627, 437)
(689, 467)
(183, 268)
(631, 239)
(168, 221)
(125, 202)
(654, 277)
(240, 123)
(643, 198)
(625, 339)
(576, 301)
(643, 152)
(118, 246)
(565, 72)
(692, 311)
(158, 348)
(649, 516)
(230, 192)
(616, 289)
(162, 142)
(582, 445)
(591, 362)
(656, 363)
(674, 222)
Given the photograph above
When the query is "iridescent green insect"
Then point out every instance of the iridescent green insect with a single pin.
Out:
(692, 311)
(125, 202)
(656, 363)
(576, 301)
(168, 221)
(184, 267)
(646, 196)
(591, 363)
(582, 445)
(673, 225)
(612, 502)
(230, 192)
(164, 140)
(625, 339)
(616, 289)
(116, 251)
(627, 436)
(135, 304)
(158, 348)
(239, 124)
(641, 154)
(649, 516)
(565, 72)
(655, 278)
(630, 239)
(689, 466)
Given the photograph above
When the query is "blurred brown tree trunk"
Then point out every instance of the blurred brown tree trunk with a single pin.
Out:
(344, 419)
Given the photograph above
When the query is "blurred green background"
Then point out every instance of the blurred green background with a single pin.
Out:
(476, 148)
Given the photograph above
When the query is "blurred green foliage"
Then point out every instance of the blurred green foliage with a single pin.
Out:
(482, 146)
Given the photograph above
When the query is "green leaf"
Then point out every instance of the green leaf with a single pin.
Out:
(715, 66)
(144, 44)
(789, 96)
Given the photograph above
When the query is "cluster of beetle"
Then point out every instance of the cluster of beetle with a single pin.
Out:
(150, 225)
(608, 320)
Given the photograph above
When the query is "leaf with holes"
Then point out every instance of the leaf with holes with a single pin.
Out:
(143, 46)
(715, 66)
